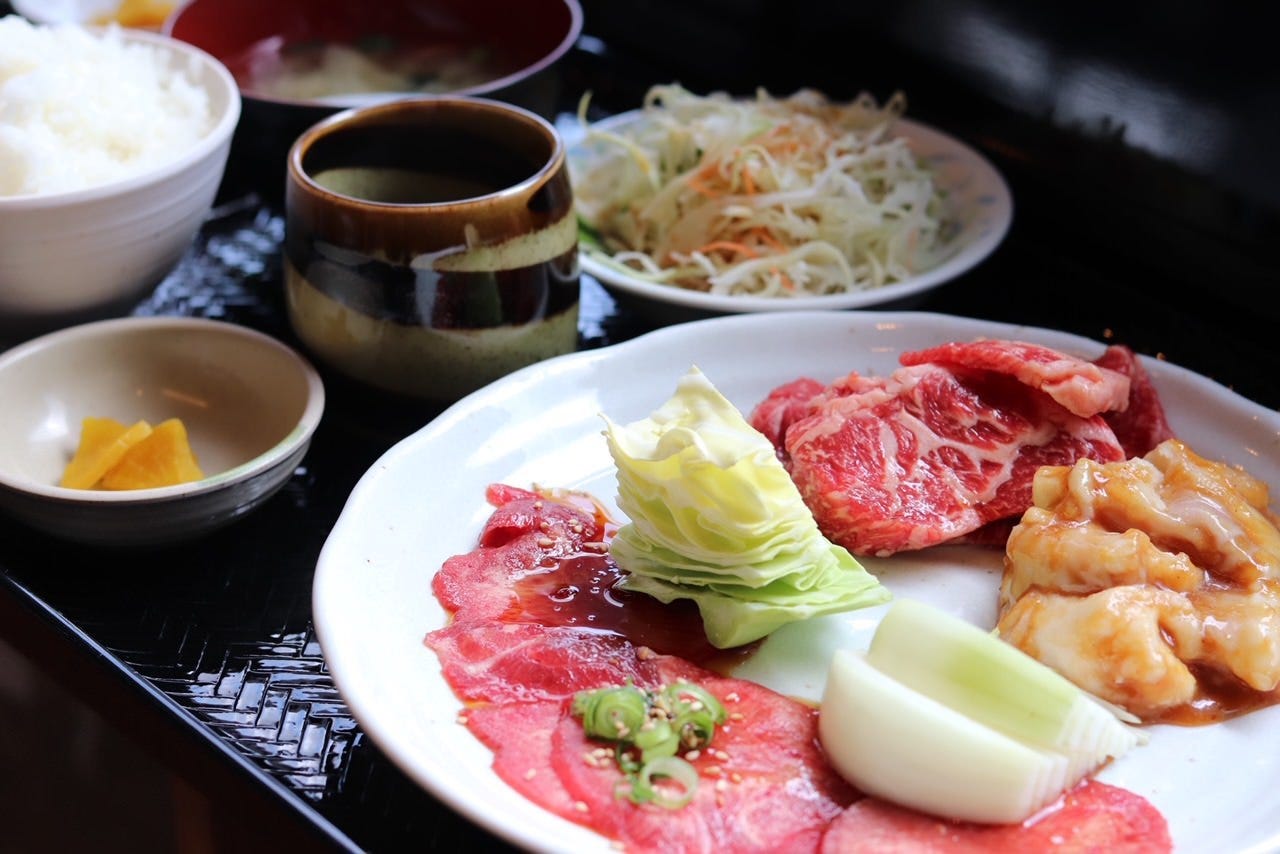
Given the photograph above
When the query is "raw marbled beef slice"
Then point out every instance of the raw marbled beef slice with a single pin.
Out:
(1083, 387)
(924, 456)
(1142, 425)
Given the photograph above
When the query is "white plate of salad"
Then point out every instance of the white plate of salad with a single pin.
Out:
(700, 205)
(424, 501)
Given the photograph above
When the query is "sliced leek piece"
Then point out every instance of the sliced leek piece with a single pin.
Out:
(942, 717)
(995, 683)
(896, 744)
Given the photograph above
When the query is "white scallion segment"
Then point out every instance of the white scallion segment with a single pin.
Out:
(996, 684)
(943, 717)
(891, 742)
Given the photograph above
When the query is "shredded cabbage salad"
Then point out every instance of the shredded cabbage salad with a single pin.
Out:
(765, 196)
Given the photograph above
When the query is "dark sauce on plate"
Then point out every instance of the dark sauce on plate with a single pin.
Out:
(582, 590)
(1219, 697)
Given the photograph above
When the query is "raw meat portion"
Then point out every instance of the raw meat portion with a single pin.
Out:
(520, 662)
(517, 664)
(543, 562)
(519, 734)
(923, 456)
(765, 785)
(1142, 424)
(784, 406)
(1083, 388)
(1093, 817)
(943, 449)
(522, 531)
(1153, 583)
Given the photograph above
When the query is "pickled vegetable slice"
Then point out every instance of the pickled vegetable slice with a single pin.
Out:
(103, 443)
(163, 458)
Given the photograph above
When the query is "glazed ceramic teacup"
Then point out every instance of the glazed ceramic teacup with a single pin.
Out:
(430, 244)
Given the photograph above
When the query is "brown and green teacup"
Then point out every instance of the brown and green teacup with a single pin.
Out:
(430, 244)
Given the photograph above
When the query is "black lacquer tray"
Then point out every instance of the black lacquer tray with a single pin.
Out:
(205, 654)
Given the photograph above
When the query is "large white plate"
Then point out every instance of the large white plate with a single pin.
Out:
(424, 501)
(980, 203)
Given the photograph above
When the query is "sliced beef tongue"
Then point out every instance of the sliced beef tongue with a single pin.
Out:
(1093, 817)
(936, 450)
(765, 786)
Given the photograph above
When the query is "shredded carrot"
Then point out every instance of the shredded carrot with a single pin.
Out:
(764, 236)
(741, 248)
(698, 185)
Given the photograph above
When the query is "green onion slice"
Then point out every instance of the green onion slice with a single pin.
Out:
(669, 768)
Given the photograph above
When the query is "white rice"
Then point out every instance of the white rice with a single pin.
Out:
(81, 108)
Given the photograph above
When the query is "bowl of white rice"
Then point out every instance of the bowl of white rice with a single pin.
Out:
(113, 143)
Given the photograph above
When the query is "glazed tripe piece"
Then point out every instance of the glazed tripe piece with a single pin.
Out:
(1152, 582)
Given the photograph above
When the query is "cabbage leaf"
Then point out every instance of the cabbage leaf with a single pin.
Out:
(714, 517)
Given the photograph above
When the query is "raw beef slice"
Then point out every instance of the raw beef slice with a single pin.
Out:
(934, 451)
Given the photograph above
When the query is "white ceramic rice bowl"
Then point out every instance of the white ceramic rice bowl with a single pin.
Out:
(80, 254)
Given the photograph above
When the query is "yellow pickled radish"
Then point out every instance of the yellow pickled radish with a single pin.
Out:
(103, 443)
(163, 458)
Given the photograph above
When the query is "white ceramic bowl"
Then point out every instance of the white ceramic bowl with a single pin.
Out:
(72, 256)
(249, 402)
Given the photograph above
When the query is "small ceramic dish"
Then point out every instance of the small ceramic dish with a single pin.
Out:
(250, 405)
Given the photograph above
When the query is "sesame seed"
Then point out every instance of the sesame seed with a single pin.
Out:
(580, 806)
(644, 653)
(737, 716)
(735, 777)
(546, 542)
(596, 546)
(693, 755)
(721, 755)
(722, 784)
(732, 697)
(713, 770)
